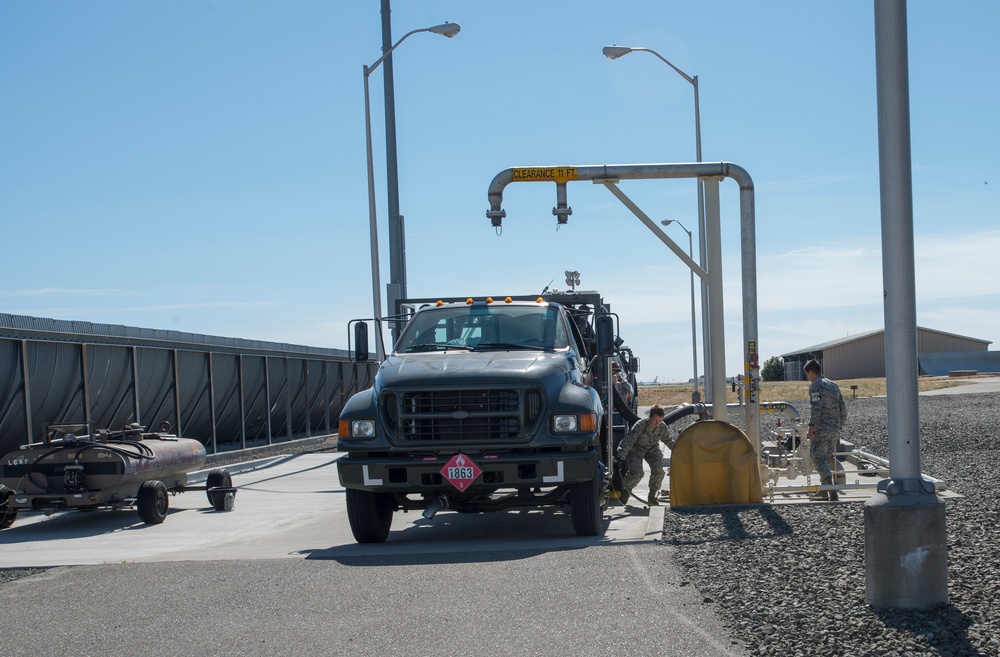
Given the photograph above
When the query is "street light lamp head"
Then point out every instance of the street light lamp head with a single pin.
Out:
(446, 29)
(614, 52)
(667, 222)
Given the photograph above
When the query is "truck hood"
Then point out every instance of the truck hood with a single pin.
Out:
(482, 367)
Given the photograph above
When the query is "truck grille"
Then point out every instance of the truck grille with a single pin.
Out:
(493, 416)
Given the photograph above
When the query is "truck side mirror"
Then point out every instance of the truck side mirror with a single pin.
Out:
(361, 342)
(634, 367)
(605, 335)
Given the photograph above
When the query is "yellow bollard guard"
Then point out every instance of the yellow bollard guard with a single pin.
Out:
(713, 462)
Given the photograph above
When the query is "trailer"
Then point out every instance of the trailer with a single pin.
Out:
(78, 467)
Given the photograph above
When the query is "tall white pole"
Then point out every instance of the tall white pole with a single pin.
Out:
(614, 52)
(906, 538)
(695, 396)
(445, 29)
(702, 255)
(373, 228)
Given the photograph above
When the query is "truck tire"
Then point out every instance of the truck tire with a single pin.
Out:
(218, 478)
(585, 505)
(7, 514)
(152, 502)
(370, 516)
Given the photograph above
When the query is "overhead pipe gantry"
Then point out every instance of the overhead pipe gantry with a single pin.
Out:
(710, 173)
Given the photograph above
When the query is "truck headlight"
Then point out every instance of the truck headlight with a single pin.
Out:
(363, 428)
(561, 423)
(585, 422)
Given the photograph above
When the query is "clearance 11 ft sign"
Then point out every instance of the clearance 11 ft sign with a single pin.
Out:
(544, 174)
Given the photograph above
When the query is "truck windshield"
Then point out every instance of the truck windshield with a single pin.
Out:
(484, 327)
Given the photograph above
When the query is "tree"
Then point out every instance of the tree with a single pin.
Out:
(773, 370)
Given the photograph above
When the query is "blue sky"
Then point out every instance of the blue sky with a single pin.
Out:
(200, 166)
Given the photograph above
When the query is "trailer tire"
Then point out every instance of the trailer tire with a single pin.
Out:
(370, 515)
(585, 505)
(152, 502)
(7, 514)
(218, 478)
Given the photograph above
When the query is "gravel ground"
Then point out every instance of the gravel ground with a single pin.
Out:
(790, 580)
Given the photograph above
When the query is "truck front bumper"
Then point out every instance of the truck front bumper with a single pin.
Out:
(423, 475)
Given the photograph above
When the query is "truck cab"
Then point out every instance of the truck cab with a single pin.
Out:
(483, 405)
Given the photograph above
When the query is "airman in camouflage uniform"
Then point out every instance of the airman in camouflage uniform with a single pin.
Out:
(827, 415)
(642, 442)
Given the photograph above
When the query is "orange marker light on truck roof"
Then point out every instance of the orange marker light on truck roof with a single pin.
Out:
(508, 300)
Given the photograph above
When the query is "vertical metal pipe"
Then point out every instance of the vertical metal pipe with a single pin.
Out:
(177, 393)
(706, 341)
(86, 385)
(373, 227)
(308, 397)
(716, 312)
(288, 400)
(897, 241)
(135, 386)
(211, 401)
(26, 391)
(267, 394)
(695, 397)
(748, 248)
(326, 395)
(397, 254)
(243, 409)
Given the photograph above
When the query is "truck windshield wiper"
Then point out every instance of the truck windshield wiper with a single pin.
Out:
(437, 347)
(508, 345)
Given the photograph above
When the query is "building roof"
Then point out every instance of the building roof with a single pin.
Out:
(859, 336)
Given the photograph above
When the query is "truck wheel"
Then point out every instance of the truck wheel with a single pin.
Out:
(218, 478)
(369, 514)
(585, 505)
(152, 502)
(7, 514)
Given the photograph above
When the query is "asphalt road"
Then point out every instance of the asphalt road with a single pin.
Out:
(281, 575)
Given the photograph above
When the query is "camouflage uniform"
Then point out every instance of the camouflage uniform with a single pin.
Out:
(623, 387)
(642, 442)
(827, 415)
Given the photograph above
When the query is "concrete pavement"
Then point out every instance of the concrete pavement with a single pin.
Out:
(293, 507)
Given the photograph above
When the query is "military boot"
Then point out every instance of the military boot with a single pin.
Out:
(652, 499)
(823, 495)
(623, 495)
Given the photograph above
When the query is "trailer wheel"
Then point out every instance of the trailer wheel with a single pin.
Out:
(585, 502)
(152, 502)
(218, 478)
(7, 514)
(370, 515)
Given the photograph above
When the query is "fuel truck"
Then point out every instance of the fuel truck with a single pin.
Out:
(485, 404)
(75, 466)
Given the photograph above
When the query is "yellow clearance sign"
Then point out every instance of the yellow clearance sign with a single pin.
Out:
(551, 174)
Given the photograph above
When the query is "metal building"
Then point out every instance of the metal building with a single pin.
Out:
(862, 356)
(228, 393)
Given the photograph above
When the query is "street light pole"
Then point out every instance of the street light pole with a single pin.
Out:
(373, 226)
(695, 395)
(445, 29)
(614, 52)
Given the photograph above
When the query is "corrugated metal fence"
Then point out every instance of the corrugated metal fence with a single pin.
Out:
(228, 393)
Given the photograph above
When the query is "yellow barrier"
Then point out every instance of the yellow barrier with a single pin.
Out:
(713, 462)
